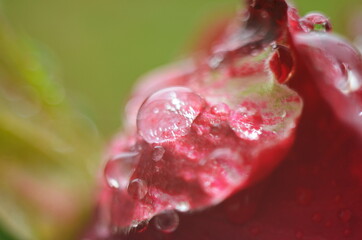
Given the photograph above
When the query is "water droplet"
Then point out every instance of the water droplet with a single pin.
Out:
(119, 169)
(299, 235)
(264, 14)
(182, 206)
(158, 153)
(140, 226)
(316, 22)
(351, 81)
(345, 215)
(177, 109)
(317, 217)
(137, 189)
(220, 109)
(167, 222)
(304, 196)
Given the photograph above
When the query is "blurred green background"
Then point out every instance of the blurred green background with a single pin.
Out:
(102, 47)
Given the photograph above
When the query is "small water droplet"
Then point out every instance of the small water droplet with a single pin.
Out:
(177, 108)
(158, 153)
(182, 206)
(320, 27)
(167, 221)
(345, 215)
(264, 14)
(220, 109)
(137, 189)
(316, 22)
(119, 169)
(140, 226)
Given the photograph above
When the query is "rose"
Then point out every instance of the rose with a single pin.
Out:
(211, 149)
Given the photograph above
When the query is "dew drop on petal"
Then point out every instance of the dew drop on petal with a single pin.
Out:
(141, 226)
(137, 189)
(119, 169)
(316, 22)
(158, 153)
(182, 206)
(167, 221)
(177, 108)
(220, 109)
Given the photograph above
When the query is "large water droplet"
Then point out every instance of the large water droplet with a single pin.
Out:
(137, 189)
(119, 169)
(168, 114)
(167, 222)
(158, 153)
